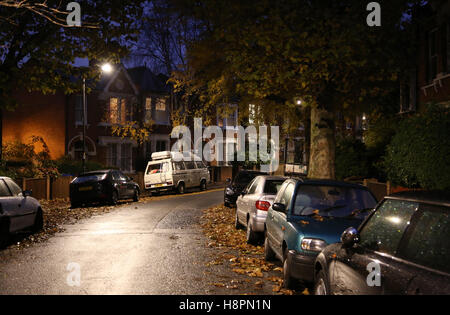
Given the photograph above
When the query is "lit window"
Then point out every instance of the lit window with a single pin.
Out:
(148, 109)
(161, 104)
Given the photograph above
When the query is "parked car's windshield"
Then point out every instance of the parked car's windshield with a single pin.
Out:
(272, 186)
(90, 178)
(332, 201)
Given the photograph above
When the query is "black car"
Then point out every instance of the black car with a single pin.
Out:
(234, 188)
(403, 247)
(106, 186)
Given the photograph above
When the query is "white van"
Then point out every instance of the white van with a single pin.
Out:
(165, 173)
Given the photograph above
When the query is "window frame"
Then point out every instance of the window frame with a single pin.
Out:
(7, 188)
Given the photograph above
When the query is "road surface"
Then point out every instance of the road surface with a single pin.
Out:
(142, 248)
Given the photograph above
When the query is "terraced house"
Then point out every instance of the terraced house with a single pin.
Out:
(114, 100)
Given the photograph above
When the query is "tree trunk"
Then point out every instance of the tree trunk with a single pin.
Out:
(323, 144)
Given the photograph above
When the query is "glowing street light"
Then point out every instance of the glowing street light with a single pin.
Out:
(107, 68)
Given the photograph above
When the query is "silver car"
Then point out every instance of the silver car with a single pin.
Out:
(253, 204)
(18, 210)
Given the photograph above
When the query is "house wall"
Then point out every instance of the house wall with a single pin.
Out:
(38, 115)
(436, 89)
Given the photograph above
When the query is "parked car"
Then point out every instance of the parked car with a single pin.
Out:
(168, 172)
(305, 217)
(107, 186)
(18, 210)
(253, 204)
(405, 243)
(234, 187)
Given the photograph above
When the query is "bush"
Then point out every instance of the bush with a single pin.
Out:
(22, 160)
(351, 158)
(418, 155)
(66, 165)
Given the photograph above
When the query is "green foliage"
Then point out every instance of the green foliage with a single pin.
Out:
(418, 155)
(30, 159)
(66, 165)
(351, 158)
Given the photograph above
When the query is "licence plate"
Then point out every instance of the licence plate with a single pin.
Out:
(159, 185)
(85, 188)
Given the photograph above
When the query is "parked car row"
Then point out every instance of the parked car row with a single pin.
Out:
(332, 236)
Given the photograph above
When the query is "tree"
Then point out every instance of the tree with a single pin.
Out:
(321, 52)
(38, 54)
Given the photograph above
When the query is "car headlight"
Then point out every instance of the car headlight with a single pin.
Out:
(312, 244)
(230, 191)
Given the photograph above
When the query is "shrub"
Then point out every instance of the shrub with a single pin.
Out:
(351, 158)
(22, 159)
(67, 166)
(418, 155)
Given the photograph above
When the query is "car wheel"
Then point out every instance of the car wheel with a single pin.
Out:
(251, 235)
(74, 205)
(288, 282)
(321, 286)
(237, 224)
(136, 195)
(203, 185)
(269, 254)
(181, 188)
(114, 197)
(4, 234)
(38, 222)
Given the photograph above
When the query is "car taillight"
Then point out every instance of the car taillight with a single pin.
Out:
(262, 205)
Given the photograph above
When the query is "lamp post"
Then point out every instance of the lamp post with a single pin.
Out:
(106, 68)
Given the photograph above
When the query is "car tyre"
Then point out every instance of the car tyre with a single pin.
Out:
(38, 222)
(203, 185)
(136, 195)
(288, 281)
(181, 189)
(237, 224)
(269, 254)
(4, 234)
(321, 287)
(114, 197)
(252, 237)
(74, 205)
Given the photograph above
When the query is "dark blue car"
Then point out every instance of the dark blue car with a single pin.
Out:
(308, 215)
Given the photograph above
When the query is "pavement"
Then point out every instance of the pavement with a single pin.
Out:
(154, 247)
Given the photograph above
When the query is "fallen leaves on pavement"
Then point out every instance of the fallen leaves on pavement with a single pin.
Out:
(218, 225)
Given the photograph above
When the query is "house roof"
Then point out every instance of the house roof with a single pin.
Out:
(147, 81)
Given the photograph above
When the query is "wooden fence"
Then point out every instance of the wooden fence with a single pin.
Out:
(58, 188)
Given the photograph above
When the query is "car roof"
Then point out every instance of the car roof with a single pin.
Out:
(423, 196)
(328, 182)
(272, 177)
(252, 172)
(96, 172)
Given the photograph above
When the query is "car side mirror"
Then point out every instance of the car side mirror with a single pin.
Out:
(27, 193)
(243, 193)
(350, 237)
(130, 178)
(279, 207)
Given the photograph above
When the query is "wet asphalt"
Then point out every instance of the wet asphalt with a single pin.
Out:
(154, 247)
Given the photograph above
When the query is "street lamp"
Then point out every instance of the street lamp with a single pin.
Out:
(105, 68)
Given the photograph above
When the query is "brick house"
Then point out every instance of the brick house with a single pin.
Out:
(58, 119)
(430, 77)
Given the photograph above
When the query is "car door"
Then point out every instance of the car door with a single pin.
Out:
(279, 219)
(426, 250)
(118, 183)
(372, 266)
(26, 209)
(244, 200)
